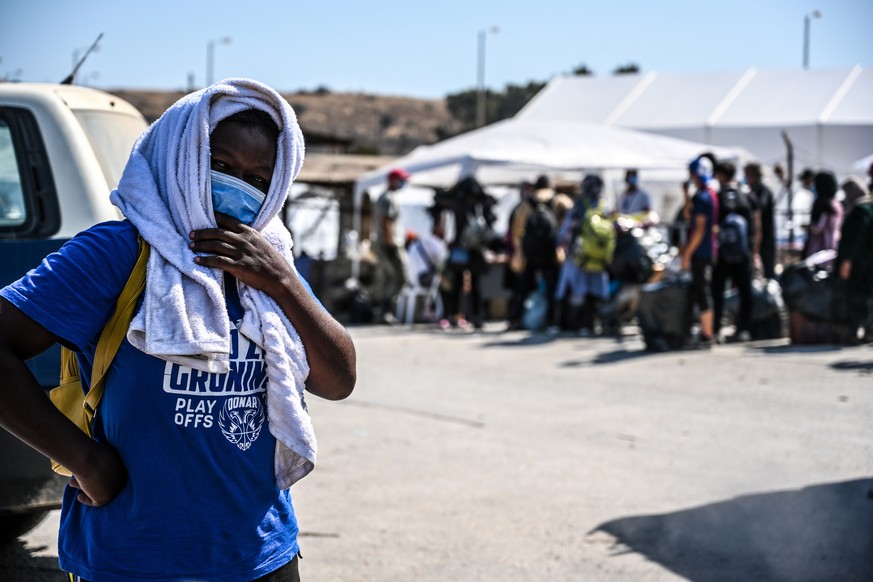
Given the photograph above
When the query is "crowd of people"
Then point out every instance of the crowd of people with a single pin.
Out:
(559, 244)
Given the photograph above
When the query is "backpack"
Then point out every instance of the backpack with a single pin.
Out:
(733, 231)
(70, 397)
(477, 234)
(596, 241)
(540, 236)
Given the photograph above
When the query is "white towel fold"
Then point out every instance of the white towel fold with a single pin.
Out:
(164, 192)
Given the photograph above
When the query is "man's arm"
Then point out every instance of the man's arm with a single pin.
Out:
(696, 238)
(388, 231)
(27, 413)
(245, 254)
(756, 218)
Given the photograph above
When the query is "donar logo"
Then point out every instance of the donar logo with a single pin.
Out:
(241, 420)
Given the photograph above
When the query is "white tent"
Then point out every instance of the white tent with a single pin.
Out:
(827, 114)
(862, 166)
(511, 150)
(503, 151)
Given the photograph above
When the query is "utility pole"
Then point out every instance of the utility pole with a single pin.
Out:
(806, 20)
(210, 57)
(480, 78)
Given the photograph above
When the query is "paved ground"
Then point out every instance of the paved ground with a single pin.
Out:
(516, 457)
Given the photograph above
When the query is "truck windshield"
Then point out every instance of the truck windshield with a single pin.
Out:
(112, 136)
(11, 196)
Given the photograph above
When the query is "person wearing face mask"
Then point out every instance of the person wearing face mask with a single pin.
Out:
(387, 235)
(202, 427)
(633, 201)
(699, 252)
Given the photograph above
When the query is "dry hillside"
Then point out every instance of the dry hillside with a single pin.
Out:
(366, 123)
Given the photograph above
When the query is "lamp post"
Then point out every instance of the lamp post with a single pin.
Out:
(210, 57)
(806, 20)
(480, 94)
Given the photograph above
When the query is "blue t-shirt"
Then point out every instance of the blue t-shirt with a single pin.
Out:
(704, 204)
(201, 501)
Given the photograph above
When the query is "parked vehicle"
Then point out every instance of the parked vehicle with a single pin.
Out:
(62, 149)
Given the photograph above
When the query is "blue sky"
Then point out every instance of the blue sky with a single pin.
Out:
(418, 49)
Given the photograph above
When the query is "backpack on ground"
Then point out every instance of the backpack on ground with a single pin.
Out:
(70, 397)
(596, 241)
(540, 235)
(733, 231)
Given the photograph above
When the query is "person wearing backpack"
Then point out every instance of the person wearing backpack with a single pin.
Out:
(187, 476)
(587, 237)
(737, 227)
(467, 263)
(538, 236)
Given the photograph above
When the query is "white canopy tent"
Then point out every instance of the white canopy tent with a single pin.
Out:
(827, 114)
(511, 150)
(862, 166)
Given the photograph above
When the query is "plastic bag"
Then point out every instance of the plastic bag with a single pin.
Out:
(536, 307)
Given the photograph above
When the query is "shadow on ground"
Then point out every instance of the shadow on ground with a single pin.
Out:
(18, 563)
(795, 348)
(818, 533)
(533, 339)
(853, 366)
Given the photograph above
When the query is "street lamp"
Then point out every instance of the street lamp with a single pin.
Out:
(806, 19)
(480, 95)
(210, 57)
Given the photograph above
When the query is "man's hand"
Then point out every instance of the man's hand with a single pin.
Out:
(242, 252)
(103, 477)
(686, 261)
(845, 269)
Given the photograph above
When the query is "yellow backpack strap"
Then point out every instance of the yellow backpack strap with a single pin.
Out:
(115, 331)
(69, 366)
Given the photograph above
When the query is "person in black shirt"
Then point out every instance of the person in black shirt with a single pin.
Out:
(734, 261)
(764, 249)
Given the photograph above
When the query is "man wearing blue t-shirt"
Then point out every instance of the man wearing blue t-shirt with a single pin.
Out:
(699, 252)
(185, 477)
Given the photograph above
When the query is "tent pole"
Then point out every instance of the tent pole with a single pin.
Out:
(789, 147)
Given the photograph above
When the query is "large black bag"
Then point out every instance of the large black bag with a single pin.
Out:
(769, 315)
(630, 261)
(808, 289)
(540, 236)
(665, 313)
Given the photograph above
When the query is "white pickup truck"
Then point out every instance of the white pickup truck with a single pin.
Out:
(62, 150)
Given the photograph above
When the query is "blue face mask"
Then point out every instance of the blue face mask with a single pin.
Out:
(235, 198)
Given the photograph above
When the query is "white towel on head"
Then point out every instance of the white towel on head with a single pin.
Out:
(164, 191)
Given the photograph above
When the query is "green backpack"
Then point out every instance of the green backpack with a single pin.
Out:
(596, 242)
